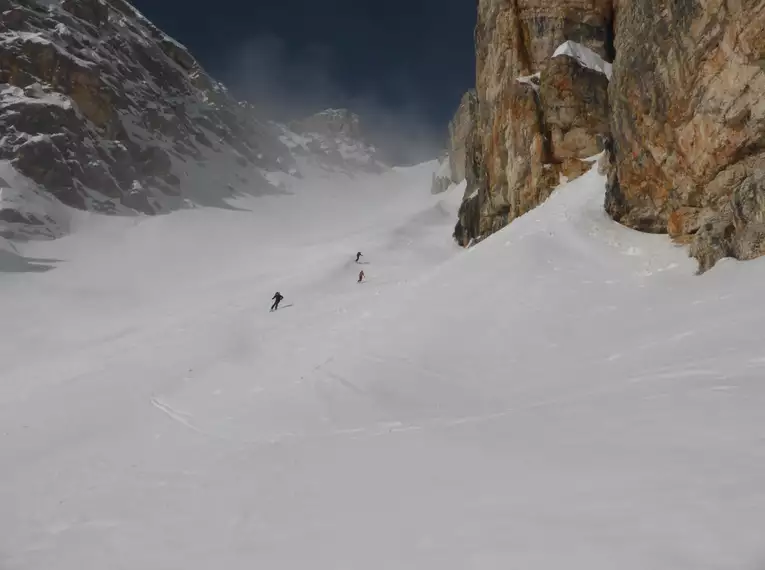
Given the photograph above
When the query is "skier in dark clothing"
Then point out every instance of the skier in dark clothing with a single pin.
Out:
(361, 277)
(276, 299)
(358, 256)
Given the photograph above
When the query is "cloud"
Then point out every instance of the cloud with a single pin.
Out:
(283, 83)
(286, 84)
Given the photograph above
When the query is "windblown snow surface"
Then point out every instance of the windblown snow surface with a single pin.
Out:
(565, 395)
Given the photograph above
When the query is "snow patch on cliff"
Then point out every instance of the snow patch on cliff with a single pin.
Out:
(585, 56)
(532, 80)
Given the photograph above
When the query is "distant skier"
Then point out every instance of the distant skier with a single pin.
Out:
(358, 256)
(361, 276)
(276, 299)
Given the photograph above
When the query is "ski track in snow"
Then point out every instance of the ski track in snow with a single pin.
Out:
(565, 394)
(178, 416)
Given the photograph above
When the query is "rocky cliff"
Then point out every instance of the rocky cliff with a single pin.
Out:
(101, 111)
(681, 113)
(688, 98)
(541, 86)
(452, 170)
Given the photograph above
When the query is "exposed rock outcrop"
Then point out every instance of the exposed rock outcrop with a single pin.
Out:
(442, 177)
(542, 105)
(682, 118)
(688, 98)
(452, 169)
(459, 132)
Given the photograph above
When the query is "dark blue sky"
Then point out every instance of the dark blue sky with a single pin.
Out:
(411, 59)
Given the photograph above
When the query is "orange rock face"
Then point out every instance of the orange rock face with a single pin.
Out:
(537, 114)
(688, 121)
(682, 117)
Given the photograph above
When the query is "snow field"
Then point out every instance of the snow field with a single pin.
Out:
(565, 394)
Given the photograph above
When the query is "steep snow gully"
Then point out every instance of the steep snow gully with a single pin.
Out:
(567, 394)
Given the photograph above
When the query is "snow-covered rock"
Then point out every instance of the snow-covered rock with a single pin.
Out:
(531, 80)
(102, 111)
(585, 56)
(454, 163)
(442, 177)
(333, 138)
(26, 210)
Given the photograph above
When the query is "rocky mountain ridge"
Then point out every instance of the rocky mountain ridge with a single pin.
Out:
(334, 138)
(102, 111)
(673, 94)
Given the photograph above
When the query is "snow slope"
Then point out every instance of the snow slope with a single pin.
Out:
(564, 395)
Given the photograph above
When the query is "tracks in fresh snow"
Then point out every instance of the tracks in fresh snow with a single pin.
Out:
(179, 417)
(394, 427)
